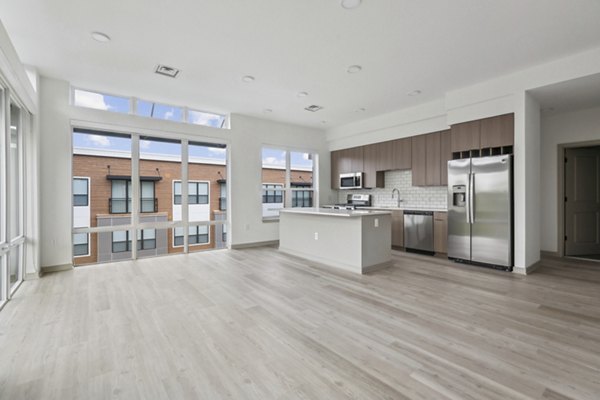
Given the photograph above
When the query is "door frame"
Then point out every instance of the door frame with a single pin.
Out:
(561, 192)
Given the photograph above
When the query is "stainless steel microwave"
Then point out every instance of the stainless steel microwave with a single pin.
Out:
(353, 180)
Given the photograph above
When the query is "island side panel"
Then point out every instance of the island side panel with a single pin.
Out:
(376, 242)
(338, 244)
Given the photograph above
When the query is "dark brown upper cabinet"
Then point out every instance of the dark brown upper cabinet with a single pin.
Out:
(446, 155)
(465, 136)
(385, 157)
(335, 169)
(372, 178)
(419, 160)
(497, 131)
(433, 156)
(402, 154)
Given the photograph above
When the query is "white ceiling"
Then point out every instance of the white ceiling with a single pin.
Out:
(295, 45)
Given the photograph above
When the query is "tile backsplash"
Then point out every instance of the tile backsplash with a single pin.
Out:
(413, 196)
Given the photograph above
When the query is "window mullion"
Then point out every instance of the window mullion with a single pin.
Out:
(185, 193)
(135, 188)
(288, 180)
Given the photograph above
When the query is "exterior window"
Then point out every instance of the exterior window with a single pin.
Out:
(120, 202)
(223, 196)
(272, 193)
(121, 242)
(197, 192)
(159, 111)
(147, 194)
(81, 244)
(224, 238)
(146, 239)
(80, 192)
(196, 235)
(145, 108)
(101, 101)
(302, 198)
(206, 119)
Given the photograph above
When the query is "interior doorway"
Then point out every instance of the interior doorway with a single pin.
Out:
(582, 202)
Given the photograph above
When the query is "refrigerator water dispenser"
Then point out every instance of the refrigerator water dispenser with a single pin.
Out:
(459, 195)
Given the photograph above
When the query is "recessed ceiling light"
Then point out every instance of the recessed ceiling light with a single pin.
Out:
(248, 79)
(302, 94)
(350, 4)
(323, 122)
(267, 110)
(414, 93)
(362, 109)
(353, 69)
(167, 71)
(100, 37)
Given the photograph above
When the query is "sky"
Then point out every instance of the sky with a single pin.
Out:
(144, 108)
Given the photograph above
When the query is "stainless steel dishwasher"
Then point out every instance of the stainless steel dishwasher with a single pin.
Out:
(418, 231)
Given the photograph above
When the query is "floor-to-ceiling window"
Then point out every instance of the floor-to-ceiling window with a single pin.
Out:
(138, 196)
(12, 199)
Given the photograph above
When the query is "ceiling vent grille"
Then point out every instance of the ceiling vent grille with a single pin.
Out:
(167, 71)
(313, 108)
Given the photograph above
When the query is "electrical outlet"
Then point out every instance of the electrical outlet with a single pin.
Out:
(376, 222)
(316, 235)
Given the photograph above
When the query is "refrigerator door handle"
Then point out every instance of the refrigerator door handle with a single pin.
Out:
(472, 198)
(468, 200)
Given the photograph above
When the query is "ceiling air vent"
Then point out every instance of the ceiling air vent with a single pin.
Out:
(313, 108)
(167, 71)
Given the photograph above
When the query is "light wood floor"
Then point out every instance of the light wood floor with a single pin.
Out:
(255, 324)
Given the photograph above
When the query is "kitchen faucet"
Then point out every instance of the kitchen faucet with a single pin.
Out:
(395, 190)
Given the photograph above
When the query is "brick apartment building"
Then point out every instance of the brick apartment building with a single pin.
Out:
(102, 197)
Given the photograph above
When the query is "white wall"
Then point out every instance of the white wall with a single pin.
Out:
(245, 139)
(561, 129)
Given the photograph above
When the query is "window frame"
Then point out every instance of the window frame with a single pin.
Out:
(88, 253)
(129, 198)
(289, 188)
(87, 195)
(175, 236)
(197, 184)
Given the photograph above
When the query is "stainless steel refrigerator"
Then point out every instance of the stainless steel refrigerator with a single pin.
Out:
(480, 221)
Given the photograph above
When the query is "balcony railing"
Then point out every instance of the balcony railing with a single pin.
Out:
(123, 206)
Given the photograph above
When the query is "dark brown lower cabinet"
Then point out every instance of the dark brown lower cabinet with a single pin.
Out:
(397, 228)
(440, 232)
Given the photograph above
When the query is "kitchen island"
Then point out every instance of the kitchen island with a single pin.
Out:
(353, 240)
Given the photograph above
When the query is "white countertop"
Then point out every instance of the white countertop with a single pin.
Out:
(403, 208)
(335, 213)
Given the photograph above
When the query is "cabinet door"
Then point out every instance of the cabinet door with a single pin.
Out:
(419, 160)
(432, 156)
(335, 169)
(440, 232)
(385, 156)
(398, 228)
(498, 131)
(356, 159)
(345, 161)
(446, 155)
(465, 136)
(401, 154)
(370, 153)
